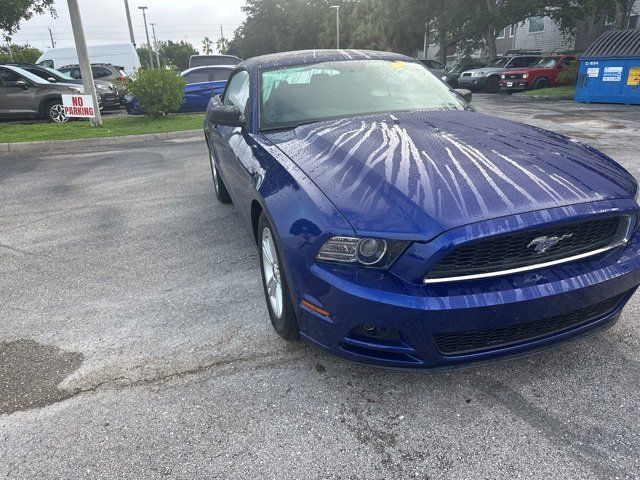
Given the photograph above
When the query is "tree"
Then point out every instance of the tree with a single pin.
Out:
(623, 13)
(19, 53)
(222, 44)
(207, 46)
(12, 12)
(174, 54)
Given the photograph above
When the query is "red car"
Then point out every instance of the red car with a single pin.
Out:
(542, 74)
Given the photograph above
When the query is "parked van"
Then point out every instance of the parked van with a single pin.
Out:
(123, 54)
(206, 60)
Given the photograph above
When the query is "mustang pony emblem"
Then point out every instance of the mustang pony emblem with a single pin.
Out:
(542, 244)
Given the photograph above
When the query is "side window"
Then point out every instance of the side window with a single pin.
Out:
(221, 74)
(73, 73)
(39, 73)
(100, 72)
(199, 76)
(237, 93)
(528, 61)
(47, 63)
(9, 78)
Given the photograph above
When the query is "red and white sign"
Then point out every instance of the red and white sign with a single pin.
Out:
(78, 106)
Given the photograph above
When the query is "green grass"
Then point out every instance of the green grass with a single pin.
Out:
(111, 127)
(552, 92)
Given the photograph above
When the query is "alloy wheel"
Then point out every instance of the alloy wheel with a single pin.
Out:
(56, 113)
(272, 274)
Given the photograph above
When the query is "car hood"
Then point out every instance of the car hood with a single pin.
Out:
(418, 174)
(485, 70)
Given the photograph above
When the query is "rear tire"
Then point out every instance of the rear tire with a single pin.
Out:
(493, 85)
(54, 111)
(276, 290)
(540, 84)
(222, 194)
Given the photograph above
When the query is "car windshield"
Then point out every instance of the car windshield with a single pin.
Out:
(547, 62)
(500, 62)
(311, 93)
(58, 73)
(461, 67)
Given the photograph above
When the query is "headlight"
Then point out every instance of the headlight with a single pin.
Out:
(444, 77)
(478, 74)
(525, 75)
(77, 90)
(503, 76)
(103, 88)
(369, 252)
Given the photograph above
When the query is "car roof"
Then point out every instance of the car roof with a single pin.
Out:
(93, 65)
(306, 57)
(208, 67)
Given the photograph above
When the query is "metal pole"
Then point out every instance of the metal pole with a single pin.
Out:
(53, 43)
(155, 44)
(10, 51)
(83, 60)
(146, 29)
(338, 27)
(337, 7)
(126, 8)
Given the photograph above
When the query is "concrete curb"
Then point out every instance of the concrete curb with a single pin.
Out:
(83, 143)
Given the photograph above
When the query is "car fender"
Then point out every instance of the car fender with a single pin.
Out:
(46, 99)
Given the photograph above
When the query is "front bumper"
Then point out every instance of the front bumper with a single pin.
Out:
(514, 85)
(472, 83)
(110, 100)
(416, 316)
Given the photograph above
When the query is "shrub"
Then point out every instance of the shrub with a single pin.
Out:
(569, 75)
(160, 91)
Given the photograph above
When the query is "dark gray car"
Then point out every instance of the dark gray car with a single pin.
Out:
(24, 95)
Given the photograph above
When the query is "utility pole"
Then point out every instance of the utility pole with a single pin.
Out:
(337, 7)
(10, 51)
(126, 8)
(146, 29)
(155, 44)
(53, 43)
(83, 60)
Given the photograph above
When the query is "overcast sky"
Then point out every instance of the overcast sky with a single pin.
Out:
(105, 22)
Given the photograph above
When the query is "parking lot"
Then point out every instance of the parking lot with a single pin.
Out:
(135, 343)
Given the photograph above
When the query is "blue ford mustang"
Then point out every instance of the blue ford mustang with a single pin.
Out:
(398, 227)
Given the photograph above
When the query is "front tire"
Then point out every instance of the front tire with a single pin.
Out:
(540, 84)
(54, 111)
(222, 194)
(274, 283)
(493, 85)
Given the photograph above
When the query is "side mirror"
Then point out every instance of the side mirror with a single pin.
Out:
(225, 115)
(466, 95)
(22, 84)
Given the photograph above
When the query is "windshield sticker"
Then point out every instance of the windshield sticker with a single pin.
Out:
(612, 74)
(397, 64)
(633, 79)
(593, 72)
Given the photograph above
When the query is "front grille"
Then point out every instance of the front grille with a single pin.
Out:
(482, 340)
(513, 76)
(515, 250)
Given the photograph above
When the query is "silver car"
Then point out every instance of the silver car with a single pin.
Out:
(488, 78)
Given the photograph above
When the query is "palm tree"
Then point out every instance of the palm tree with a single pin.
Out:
(207, 46)
(222, 45)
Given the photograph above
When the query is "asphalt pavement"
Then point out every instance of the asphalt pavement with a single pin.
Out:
(135, 343)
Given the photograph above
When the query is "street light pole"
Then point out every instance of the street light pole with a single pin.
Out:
(146, 29)
(126, 8)
(337, 7)
(155, 44)
(83, 60)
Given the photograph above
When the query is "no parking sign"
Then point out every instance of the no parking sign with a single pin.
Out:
(78, 106)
